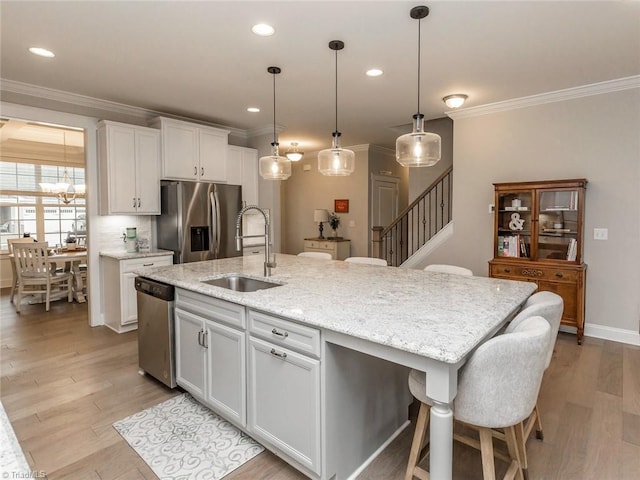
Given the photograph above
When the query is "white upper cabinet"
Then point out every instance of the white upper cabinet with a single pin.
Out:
(192, 152)
(242, 169)
(129, 169)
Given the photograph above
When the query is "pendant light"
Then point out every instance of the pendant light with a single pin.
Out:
(274, 167)
(336, 161)
(65, 190)
(418, 148)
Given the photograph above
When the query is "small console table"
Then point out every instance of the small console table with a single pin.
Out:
(338, 248)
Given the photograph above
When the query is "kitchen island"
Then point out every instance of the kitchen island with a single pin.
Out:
(328, 350)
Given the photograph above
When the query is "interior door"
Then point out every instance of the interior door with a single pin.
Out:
(384, 200)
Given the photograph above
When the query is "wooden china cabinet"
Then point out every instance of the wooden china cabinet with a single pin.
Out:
(538, 237)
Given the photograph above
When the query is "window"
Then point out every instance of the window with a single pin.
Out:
(24, 207)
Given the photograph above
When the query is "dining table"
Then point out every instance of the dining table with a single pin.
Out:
(71, 261)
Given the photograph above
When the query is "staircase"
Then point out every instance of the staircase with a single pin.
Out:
(415, 225)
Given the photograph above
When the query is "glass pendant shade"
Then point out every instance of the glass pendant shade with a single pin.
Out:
(418, 148)
(336, 161)
(275, 167)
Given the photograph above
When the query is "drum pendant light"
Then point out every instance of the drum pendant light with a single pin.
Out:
(418, 148)
(274, 167)
(336, 161)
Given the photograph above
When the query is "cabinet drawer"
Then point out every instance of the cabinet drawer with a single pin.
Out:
(534, 272)
(283, 332)
(209, 307)
(137, 263)
(320, 245)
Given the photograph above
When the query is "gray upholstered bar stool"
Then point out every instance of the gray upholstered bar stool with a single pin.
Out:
(490, 395)
(367, 260)
(454, 269)
(549, 306)
(325, 255)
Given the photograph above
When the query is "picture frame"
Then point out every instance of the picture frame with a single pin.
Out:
(341, 205)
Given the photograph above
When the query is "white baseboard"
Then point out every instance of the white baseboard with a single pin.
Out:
(611, 333)
(379, 451)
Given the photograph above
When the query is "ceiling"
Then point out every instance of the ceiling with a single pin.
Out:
(200, 59)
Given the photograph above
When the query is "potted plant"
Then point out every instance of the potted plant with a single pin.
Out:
(70, 242)
(334, 223)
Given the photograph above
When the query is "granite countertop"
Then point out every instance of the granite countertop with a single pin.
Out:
(122, 254)
(436, 315)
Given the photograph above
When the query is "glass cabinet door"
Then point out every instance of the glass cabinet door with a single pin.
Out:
(514, 227)
(557, 233)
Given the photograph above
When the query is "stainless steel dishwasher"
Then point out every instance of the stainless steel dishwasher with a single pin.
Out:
(156, 348)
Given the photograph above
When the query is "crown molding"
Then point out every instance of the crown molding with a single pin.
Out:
(20, 88)
(626, 83)
(264, 130)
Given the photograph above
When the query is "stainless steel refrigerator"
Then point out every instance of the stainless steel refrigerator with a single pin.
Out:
(198, 220)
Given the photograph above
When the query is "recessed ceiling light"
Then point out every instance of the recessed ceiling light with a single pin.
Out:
(43, 52)
(253, 109)
(263, 30)
(374, 72)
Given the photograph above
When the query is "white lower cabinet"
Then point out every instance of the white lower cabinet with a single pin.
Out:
(120, 301)
(284, 391)
(211, 353)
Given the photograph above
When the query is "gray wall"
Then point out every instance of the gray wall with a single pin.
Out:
(594, 137)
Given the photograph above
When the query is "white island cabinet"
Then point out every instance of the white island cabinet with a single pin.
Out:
(119, 298)
(211, 353)
(328, 351)
(129, 169)
(284, 384)
(192, 152)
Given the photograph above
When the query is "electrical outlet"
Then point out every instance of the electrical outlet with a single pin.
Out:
(600, 233)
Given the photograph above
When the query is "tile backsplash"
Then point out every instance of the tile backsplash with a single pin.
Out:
(110, 229)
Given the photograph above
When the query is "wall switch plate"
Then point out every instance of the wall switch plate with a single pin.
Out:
(600, 233)
(352, 223)
(306, 167)
(492, 208)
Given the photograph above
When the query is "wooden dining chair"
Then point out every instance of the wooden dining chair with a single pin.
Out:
(325, 255)
(489, 395)
(35, 274)
(442, 268)
(14, 274)
(367, 260)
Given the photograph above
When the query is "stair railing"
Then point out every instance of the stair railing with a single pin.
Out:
(416, 224)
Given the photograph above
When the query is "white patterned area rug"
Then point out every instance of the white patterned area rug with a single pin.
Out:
(181, 439)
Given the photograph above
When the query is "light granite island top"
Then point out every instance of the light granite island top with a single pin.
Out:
(436, 315)
(398, 318)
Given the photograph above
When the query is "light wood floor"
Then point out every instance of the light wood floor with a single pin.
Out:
(63, 384)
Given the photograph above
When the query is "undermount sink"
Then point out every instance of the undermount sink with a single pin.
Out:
(240, 283)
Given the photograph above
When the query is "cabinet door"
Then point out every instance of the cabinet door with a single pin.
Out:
(180, 151)
(284, 401)
(234, 165)
(213, 156)
(190, 355)
(129, 298)
(148, 172)
(121, 151)
(226, 371)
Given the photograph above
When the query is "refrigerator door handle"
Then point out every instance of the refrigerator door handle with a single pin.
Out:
(215, 224)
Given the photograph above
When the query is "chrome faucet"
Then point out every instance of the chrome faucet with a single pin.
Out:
(268, 264)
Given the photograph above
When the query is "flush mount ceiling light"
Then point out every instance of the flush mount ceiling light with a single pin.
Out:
(42, 52)
(274, 167)
(294, 155)
(336, 161)
(263, 30)
(418, 148)
(456, 100)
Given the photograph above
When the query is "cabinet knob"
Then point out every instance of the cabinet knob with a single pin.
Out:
(559, 275)
(276, 354)
(280, 334)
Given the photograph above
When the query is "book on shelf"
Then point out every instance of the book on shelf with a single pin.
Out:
(572, 249)
(509, 246)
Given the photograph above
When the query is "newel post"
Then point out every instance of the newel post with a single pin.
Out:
(376, 242)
